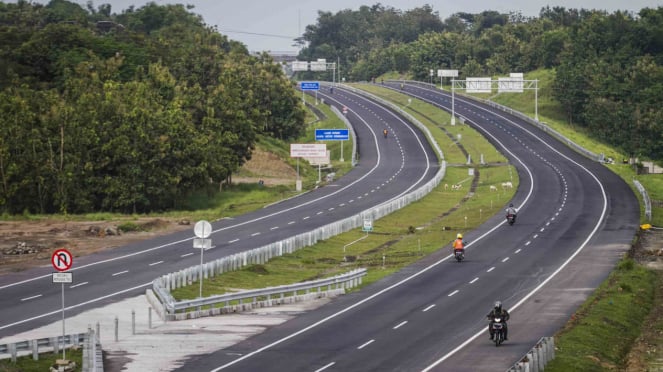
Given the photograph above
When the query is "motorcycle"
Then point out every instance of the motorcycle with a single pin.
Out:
(511, 218)
(459, 254)
(498, 331)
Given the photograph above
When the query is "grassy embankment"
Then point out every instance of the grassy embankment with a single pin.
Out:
(402, 237)
(46, 360)
(600, 335)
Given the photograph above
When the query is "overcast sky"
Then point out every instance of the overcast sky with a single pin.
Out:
(289, 17)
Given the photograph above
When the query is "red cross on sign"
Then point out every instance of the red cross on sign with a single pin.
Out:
(62, 260)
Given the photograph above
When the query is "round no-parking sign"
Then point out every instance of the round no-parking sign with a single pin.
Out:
(62, 260)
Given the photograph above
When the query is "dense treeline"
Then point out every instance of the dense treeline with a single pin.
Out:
(127, 112)
(608, 67)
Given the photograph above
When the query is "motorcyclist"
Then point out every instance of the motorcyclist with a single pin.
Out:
(498, 312)
(385, 132)
(458, 244)
(511, 210)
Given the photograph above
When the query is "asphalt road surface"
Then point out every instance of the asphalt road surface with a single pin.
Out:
(575, 220)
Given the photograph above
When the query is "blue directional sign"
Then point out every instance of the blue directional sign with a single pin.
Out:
(310, 85)
(332, 134)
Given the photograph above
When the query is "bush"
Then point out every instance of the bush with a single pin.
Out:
(129, 227)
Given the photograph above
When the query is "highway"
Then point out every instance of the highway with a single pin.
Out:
(576, 219)
(388, 168)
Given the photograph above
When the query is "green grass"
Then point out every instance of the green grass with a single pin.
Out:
(600, 334)
(46, 360)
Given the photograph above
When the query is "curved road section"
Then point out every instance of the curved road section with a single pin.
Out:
(387, 169)
(576, 218)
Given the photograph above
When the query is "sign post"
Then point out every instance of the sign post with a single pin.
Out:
(62, 261)
(202, 229)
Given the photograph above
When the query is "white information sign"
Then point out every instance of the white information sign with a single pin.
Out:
(308, 150)
(479, 85)
(202, 243)
(509, 85)
(66, 277)
(320, 161)
(299, 66)
(318, 65)
(447, 73)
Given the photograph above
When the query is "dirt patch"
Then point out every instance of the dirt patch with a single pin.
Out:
(26, 244)
(268, 167)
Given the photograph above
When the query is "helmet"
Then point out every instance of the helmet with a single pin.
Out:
(459, 236)
(511, 205)
(498, 306)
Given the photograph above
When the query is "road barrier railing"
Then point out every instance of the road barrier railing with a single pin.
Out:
(263, 297)
(43, 345)
(645, 198)
(536, 359)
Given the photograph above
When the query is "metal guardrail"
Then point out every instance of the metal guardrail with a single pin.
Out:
(41, 345)
(163, 285)
(92, 352)
(536, 359)
(261, 297)
(645, 198)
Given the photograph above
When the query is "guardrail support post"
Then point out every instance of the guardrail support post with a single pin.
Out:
(116, 330)
(56, 345)
(35, 350)
(13, 352)
(149, 317)
(535, 361)
(133, 322)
